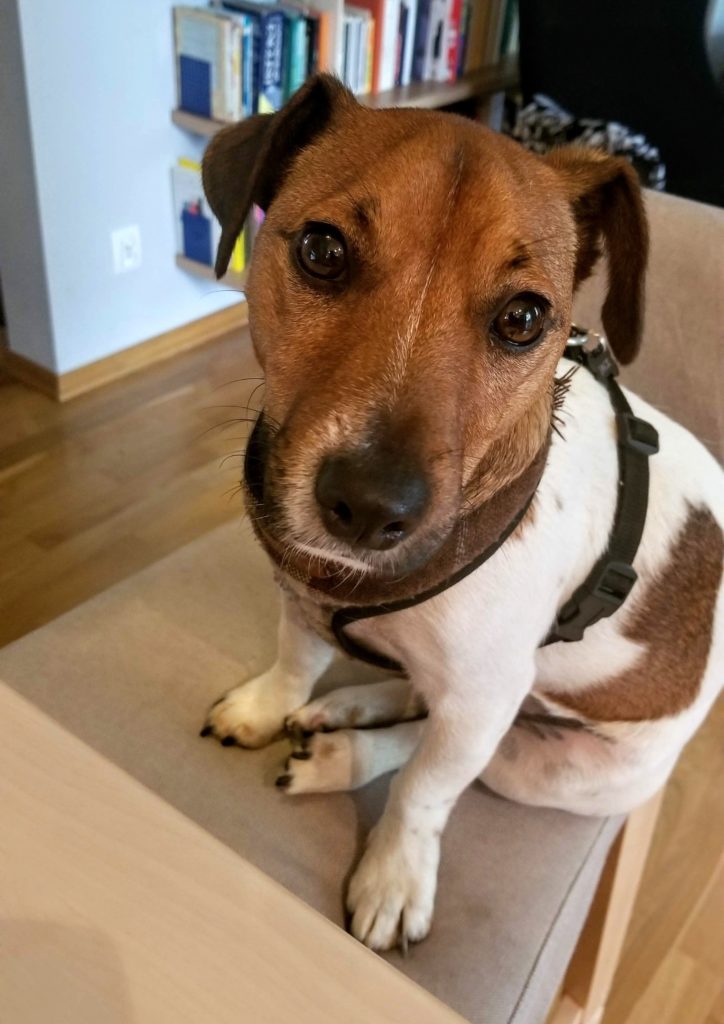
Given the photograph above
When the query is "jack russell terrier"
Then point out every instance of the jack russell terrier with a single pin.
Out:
(444, 493)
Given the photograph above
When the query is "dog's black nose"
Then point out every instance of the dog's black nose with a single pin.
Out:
(373, 500)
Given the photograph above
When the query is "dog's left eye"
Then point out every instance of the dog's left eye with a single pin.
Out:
(321, 252)
(521, 321)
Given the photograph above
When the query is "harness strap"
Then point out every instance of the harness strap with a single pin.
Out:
(610, 581)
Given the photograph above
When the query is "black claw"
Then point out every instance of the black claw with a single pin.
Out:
(283, 781)
(228, 741)
(295, 732)
(302, 755)
(206, 731)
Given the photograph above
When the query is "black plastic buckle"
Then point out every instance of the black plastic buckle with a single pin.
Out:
(604, 598)
(600, 362)
(637, 434)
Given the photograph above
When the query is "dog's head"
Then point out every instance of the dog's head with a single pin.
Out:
(409, 299)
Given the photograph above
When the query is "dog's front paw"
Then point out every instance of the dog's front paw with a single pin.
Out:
(251, 715)
(392, 892)
(322, 763)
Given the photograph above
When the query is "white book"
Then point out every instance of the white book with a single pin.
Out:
(435, 51)
(390, 29)
(441, 71)
(364, 18)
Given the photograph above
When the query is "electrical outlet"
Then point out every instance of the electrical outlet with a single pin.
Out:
(126, 244)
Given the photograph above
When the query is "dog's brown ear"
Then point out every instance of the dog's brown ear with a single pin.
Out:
(246, 162)
(606, 198)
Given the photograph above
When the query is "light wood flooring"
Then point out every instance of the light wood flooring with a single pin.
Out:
(92, 491)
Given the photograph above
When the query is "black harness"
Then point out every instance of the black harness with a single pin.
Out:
(610, 580)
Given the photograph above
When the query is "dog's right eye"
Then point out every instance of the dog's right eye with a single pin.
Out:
(321, 252)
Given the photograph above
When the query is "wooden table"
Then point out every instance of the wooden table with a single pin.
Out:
(116, 909)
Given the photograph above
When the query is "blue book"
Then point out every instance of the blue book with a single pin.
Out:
(296, 52)
(194, 85)
(268, 63)
(420, 44)
(271, 81)
(251, 63)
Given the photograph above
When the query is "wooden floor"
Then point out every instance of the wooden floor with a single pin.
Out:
(92, 491)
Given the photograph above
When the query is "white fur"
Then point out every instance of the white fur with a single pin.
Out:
(472, 655)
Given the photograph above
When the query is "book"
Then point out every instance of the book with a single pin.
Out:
(203, 42)
(463, 36)
(420, 41)
(435, 50)
(452, 29)
(250, 65)
(297, 51)
(477, 35)
(197, 230)
(272, 74)
(509, 39)
(362, 37)
(494, 32)
(408, 48)
(386, 16)
(330, 14)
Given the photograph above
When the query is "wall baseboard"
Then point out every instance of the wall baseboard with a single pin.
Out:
(30, 373)
(65, 386)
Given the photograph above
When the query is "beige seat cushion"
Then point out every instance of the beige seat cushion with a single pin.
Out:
(132, 671)
(680, 368)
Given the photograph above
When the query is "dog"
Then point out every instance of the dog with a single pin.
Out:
(410, 302)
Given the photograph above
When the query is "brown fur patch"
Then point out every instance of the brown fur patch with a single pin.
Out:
(675, 620)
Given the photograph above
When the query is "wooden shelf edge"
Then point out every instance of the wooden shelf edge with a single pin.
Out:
(495, 78)
(232, 279)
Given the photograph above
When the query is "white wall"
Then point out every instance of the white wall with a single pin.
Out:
(99, 76)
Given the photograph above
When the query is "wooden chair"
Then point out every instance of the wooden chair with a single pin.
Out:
(590, 974)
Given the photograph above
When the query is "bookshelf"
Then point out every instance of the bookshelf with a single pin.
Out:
(232, 280)
(479, 84)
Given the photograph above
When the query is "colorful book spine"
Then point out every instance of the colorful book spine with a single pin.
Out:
(312, 22)
(454, 12)
(401, 34)
(390, 36)
(271, 85)
(250, 65)
(297, 52)
(234, 58)
(422, 25)
(369, 68)
(436, 50)
(409, 42)
(463, 36)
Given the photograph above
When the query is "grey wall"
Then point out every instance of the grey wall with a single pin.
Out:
(99, 78)
(22, 263)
